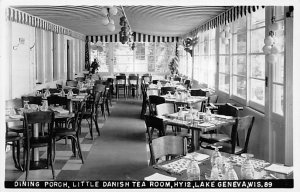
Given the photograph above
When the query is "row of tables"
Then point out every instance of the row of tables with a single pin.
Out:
(37, 163)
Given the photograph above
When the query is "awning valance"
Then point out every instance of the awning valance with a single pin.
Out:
(18, 16)
(137, 37)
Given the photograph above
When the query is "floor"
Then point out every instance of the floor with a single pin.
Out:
(120, 149)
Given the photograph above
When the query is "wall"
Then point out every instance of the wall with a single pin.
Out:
(40, 59)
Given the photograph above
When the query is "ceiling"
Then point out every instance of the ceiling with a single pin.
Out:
(151, 20)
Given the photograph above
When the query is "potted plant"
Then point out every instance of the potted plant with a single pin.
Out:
(173, 65)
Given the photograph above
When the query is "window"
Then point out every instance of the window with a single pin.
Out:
(146, 57)
(101, 55)
(278, 66)
(224, 65)
(257, 60)
(239, 58)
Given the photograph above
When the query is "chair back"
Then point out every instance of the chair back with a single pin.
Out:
(155, 82)
(42, 118)
(165, 108)
(32, 100)
(165, 90)
(173, 146)
(146, 79)
(98, 88)
(57, 100)
(228, 110)
(198, 92)
(213, 99)
(97, 82)
(121, 80)
(187, 83)
(71, 83)
(153, 101)
(153, 122)
(243, 124)
(133, 80)
(177, 79)
(58, 86)
(80, 79)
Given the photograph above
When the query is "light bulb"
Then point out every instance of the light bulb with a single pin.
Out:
(267, 49)
(269, 41)
(112, 21)
(223, 34)
(105, 21)
(111, 27)
(104, 11)
(274, 49)
(113, 10)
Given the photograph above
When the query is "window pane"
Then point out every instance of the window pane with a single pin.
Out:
(278, 69)
(240, 25)
(224, 82)
(224, 48)
(239, 86)
(239, 43)
(257, 40)
(257, 91)
(278, 99)
(123, 68)
(239, 65)
(258, 66)
(279, 36)
(258, 18)
(224, 64)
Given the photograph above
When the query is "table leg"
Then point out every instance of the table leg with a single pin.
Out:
(36, 162)
(71, 106)
(195, 139)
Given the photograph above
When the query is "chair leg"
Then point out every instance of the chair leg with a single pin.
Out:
(51, 161)
(107, 107)
(97, 127)
(91, 128)
(27, 163)
(18, 155)
(79, 149)
(14, 153)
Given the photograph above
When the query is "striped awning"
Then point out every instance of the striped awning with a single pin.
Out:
(224, 18)
(137, 37)
(18, 16)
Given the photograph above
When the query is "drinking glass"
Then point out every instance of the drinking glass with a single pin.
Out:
(193, 171)
(230, 173)
(247, 169)
(216, 154)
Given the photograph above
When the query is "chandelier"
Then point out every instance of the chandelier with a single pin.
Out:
(107, 12)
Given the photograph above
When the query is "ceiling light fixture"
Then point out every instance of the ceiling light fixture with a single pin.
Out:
(126, 33)
(107, 12)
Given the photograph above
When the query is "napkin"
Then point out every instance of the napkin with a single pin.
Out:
(223, 116)
(197, 156)
(16, 116)
(159, 177)
(205, 124)
(279, 169)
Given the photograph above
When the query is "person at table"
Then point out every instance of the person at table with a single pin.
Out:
(94, 66)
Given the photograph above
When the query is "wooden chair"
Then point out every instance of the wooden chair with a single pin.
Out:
(121, 85)
(46, 121)
(153, 101)
(227, 110)
(14, 139)
(187, 84)
(242, 124)
(133, 84)
(167, 146)
(80, 79)
(145, 102)
(90, 113)
(154, 123)
(71, 133)
(198, 92)
(165, 90)
(32, 100)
